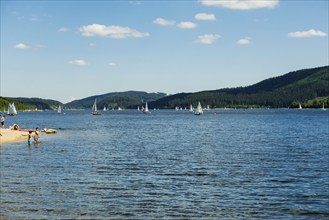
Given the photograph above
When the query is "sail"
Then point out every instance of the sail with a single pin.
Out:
(12, 109)
(198, 110)
(146, 109)
(191, 108)
(94, 109)
(59, 110)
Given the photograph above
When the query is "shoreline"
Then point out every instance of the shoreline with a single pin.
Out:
(11, 136)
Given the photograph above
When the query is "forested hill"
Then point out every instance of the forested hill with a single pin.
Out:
(28, 103)
(309, 87)
(129, 99)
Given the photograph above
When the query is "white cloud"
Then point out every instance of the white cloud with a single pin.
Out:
(112, 64)
(208, 38)
(71, 99)
(205, 17)
(244, 41)
(39, 46)
(21, 46)
(116, 32)
(241, 4)
(263, 20)
(309, 33)
(34, 17)
(78, 62)
(187, 25)
(163, 22)
(63, 29)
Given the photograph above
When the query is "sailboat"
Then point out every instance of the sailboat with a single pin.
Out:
(198, 110)
(94, 109)
(104, 109)
(300, 107)
(59, 110)
(146, 109)
(323, 107)
(191, 108)
(12, 110)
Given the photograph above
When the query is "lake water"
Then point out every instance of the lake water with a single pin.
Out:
(226, 164)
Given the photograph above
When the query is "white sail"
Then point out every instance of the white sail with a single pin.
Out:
(104, 109)
(146, 109)
(198, 110)
(191, 108)
(300, 106)
(12, 109)
(94, 109)
(59, 110)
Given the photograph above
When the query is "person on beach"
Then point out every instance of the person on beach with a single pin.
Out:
(3, 118)
(15, 127)
(29, 138)
(36, 136)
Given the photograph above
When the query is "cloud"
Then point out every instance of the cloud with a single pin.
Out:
(244, 41)
(263, 20)
(71, 99)
(115, 32)
(21, 46)
(78, 62)
(205, 17)
(241, 4)
(208, 38)
(163, 22)
(309, 33)
(112, 64)
(187, 25)
(63, 29)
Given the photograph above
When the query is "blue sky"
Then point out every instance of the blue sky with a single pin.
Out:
(71, 50)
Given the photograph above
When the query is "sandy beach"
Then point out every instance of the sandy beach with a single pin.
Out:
(10, 136)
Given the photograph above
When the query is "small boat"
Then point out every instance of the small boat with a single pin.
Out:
(12, 110)
(51, 131)
(59, 110)
(146, 109)
(191, 108)
(198, 110)
(94, 109)
(323, 107)
(300, 106)
(104, 109)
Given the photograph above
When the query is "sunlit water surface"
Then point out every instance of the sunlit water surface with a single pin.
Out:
(225, 164)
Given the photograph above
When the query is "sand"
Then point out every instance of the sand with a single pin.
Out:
(11, 136)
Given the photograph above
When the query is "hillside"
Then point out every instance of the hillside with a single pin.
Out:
(129, 99)
(308, 86)
(28, 103)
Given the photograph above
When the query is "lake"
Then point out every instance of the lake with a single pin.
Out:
(225, 164)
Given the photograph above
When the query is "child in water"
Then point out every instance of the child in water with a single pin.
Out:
(29, 138)
(36, 136)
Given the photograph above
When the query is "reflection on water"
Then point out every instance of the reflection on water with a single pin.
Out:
(225, 164)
